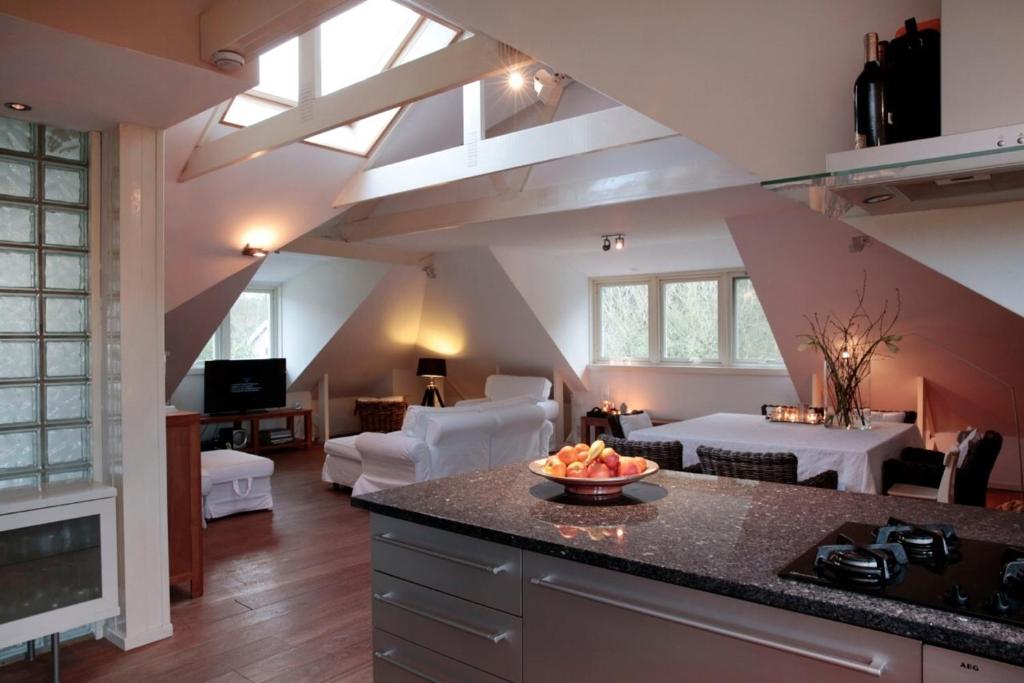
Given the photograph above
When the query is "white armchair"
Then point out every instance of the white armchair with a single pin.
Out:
(536, 389)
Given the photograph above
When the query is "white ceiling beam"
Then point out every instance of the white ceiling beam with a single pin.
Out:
(322, 246)
(584, 134)
(631, 187)
(467, 60)
(537, 114)
(251, 28)
(473, 113)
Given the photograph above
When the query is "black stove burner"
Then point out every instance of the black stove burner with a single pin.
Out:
(921, 564)
(927, 543)
(876, 565)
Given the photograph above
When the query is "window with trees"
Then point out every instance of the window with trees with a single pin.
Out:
(697, 319)
(249, 331)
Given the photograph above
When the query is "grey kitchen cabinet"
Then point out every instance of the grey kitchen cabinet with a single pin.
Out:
(586, 623)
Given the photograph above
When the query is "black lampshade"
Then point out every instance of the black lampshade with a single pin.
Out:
(432, 367)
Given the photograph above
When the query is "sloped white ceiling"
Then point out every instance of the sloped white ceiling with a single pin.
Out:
(978, 246)
(764, 84)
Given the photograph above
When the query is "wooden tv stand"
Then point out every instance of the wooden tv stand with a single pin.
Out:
(254, 418)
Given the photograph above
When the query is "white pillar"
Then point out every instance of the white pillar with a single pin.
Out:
(134, 429)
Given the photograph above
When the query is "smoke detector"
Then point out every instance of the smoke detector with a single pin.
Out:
(228, 60)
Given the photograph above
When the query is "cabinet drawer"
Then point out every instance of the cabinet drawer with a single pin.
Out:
(396, 660)
(480, 571)
(656, 631)
(472, 634)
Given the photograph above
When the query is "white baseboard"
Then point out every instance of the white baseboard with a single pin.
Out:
(134, 640)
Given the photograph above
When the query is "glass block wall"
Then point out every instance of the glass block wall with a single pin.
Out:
(44, 304)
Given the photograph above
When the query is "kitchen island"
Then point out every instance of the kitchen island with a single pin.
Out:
(499, 575)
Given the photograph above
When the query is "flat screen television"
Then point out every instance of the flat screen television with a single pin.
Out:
(238, 386)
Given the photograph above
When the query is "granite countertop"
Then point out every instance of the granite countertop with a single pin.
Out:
(726, 536)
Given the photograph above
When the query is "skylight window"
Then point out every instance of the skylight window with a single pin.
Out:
(372, 37)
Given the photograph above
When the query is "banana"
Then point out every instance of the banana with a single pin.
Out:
(595, 451)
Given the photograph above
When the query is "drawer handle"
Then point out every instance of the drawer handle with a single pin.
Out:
(405, 545)
(874, 668)
(388, 656)
(387, 599)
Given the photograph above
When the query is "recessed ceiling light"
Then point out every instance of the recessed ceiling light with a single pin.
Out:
(18, 106)
(878, 198)
(516, 80)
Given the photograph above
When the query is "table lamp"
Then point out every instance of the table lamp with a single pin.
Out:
(432, 368)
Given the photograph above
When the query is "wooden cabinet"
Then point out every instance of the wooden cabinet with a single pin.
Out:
(184, 501)
(252, 422)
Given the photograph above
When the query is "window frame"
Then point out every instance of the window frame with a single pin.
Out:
(656, 282)
(309, 45)
(222, 335)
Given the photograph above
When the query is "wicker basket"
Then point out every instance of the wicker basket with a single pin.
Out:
(381, 416)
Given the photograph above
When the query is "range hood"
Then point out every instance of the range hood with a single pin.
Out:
(967, 169)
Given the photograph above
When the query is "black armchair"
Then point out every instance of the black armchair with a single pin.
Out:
(923, 467)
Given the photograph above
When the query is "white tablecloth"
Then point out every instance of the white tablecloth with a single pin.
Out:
(856, 455)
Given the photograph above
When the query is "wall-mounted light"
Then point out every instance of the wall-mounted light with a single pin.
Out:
(620, 242)
(18, 106)
(257, 252)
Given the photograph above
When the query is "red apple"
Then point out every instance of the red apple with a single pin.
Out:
(598, 470)
(611, 458)
(629, 467)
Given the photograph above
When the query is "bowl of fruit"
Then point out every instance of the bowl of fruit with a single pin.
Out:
(592, 470)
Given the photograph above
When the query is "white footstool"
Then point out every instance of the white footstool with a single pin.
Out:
(239, 482)
(342, 462)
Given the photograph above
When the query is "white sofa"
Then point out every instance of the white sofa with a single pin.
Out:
(538, 389)
(439, 442)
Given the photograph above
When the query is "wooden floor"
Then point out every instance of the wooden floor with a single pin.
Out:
(287, 599)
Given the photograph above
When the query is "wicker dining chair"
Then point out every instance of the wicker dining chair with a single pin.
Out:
(774, 467)
(668, 454)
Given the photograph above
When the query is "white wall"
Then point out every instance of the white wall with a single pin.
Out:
(557, 294)
(682, 393)
(315, 304)
(982, 60)
(474, 316)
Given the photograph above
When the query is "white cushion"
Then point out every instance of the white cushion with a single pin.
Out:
(509, 386)
(630, 423)
(913, 491)
(964, 441)
(225, 465)
(343, 447)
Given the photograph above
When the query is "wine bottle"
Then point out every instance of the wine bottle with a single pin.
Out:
(869, 99)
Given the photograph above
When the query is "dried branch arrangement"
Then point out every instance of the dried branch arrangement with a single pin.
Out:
(848, 347)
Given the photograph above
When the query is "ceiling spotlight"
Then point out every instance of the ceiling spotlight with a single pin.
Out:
(607, 244)
(18, 106)
(620, 242)
(516, 80)
(258, 252)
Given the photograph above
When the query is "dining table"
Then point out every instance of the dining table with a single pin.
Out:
(856, 454)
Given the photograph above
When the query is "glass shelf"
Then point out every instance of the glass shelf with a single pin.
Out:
(818, 190)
